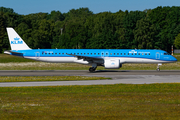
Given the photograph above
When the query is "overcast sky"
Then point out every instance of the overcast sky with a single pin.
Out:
(96, 6)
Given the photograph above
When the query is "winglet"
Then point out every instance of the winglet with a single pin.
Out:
(16, 42)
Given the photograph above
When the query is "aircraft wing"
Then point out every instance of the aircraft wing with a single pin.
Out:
(86, 57)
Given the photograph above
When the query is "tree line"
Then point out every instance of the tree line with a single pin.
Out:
(82, 29)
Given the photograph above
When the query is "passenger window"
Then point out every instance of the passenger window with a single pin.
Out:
(88, 53)
(124, 53)
(149, 54)
(106, 53)
(128, 53)
(145, 53)
(117, 53)
(111, 53)
(132, 53)
(142, 54)
(84, 53)
(114, 53)
(135, 53)
(98, 54)
(121, 53)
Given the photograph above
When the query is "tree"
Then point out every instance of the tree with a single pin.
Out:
(56, 16)
(148, 29)
(129, 22)
(145, 34)
(2, 32)
(4, 10)
(177, 41)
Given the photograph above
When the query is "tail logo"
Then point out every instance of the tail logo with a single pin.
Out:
(16, 41)
(16, 38)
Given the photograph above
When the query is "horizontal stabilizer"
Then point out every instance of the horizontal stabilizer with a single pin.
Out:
(9, 52)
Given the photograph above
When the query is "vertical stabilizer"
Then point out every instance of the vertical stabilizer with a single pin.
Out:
(16, 42)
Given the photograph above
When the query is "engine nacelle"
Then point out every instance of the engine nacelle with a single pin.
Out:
(112, 64)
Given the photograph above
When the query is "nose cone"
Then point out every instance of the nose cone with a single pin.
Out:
(173, 59)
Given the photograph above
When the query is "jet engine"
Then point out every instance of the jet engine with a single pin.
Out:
(112, 64)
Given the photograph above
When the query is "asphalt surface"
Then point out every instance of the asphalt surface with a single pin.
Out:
(82, 72)
(118, 77)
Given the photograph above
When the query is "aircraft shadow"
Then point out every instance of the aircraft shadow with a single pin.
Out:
(98, 71)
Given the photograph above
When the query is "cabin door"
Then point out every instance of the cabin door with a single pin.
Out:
(37, 54)
(157, 55)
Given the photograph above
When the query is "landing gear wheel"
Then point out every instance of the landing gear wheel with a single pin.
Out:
(91, 69)
(158, 69)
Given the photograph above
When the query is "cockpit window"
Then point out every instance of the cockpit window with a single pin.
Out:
(166, 54)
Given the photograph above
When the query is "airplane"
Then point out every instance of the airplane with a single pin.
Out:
(109, 58)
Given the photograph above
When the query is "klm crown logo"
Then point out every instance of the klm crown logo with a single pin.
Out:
(16, 38)
(17, 41)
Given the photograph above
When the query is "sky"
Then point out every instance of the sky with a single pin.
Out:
(25, 7)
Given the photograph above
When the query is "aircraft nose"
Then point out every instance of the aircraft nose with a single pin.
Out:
(173, 59)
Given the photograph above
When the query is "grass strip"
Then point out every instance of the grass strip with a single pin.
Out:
(122, 101)
(73, 66)
(47, 78)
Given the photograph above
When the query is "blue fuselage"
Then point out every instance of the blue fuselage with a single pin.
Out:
(125, 55)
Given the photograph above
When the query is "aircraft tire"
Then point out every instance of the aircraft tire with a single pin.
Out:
(91, 69)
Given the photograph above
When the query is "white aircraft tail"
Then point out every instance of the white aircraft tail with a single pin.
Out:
(16, 42)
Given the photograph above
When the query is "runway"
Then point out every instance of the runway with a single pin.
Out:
(82, 72)
(118, 77)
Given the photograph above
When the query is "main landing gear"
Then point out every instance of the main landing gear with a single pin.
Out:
(158, 67)
(93, 68)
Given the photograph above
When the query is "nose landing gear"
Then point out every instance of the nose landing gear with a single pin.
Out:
(158, 67)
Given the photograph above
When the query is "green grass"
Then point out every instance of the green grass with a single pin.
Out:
(176, 53)
(73, 66)
(177, 57)
(46, 78)
(123, 101)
